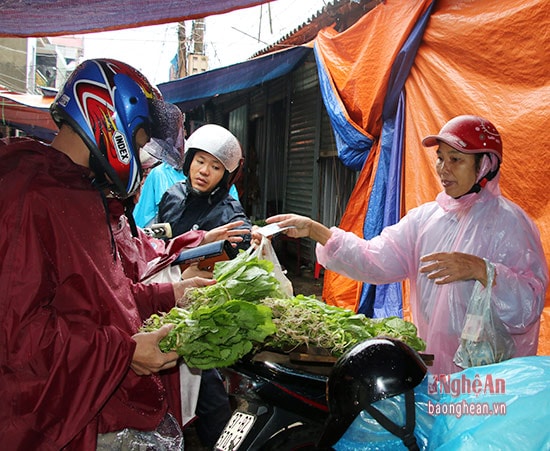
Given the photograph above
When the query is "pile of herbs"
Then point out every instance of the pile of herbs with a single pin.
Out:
(246, 310)
(307, 321)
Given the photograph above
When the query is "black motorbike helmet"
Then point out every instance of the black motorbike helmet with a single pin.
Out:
(373, 370)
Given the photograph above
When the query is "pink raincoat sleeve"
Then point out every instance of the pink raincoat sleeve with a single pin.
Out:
(384, 259)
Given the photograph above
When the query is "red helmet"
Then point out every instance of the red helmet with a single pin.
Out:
(468, 134)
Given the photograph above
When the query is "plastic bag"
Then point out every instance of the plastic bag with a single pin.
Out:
(265, 251)
(509, 410)
(190, 383)
(169, 274)
(166, 437)
(484, 339)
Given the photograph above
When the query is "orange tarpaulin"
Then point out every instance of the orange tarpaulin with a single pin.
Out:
(484, 57)
(490, 58)
(360, 69)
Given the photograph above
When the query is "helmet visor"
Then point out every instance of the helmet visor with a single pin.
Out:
(167, 133)
(162, 150)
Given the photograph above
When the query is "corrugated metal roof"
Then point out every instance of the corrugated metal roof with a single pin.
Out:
(188, 92)
(340, 14)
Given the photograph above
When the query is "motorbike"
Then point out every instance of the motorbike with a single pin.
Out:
(280, 402)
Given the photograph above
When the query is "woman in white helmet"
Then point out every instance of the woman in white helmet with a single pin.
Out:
(163, 175)
(213, 159)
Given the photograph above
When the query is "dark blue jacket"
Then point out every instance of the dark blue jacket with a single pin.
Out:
(186, 210)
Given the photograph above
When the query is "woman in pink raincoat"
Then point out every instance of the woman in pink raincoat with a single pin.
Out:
(443, 247)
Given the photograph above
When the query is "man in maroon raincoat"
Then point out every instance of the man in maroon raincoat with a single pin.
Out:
(72, 362)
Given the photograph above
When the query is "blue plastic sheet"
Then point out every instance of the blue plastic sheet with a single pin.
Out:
(366, 434)
(353, 145)
(525, 423)
(505, 406)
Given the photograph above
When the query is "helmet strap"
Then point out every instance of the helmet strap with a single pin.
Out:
(405, 433)
(108, 217)
(224, 182)
(235, 175)
(483, 181)
(100, 180)
(128, 212)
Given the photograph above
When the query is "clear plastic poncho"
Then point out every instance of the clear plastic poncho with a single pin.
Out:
(484, 224)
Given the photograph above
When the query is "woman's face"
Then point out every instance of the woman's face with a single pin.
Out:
(205, 171)
(457, 171)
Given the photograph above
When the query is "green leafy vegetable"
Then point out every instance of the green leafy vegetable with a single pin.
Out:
(214, 336)
(245, 309)
(245, 277)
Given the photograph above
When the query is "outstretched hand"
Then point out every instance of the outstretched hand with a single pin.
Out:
(228, 232)
(148, 358)
(301, 226)
(447, 267)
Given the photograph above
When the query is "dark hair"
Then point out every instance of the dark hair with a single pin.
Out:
(479, 157)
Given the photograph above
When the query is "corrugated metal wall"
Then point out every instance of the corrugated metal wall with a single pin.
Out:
(238, 124)
(291, 163)
(266, 149)
(274, 164)
(303, 142)
(336, 182)
(302, 171)
(273, 187)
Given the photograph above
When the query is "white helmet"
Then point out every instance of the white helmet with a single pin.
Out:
(217, 141)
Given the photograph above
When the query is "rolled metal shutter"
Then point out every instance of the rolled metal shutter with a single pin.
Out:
(301, 194)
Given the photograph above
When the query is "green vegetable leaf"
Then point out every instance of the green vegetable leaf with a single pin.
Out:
(245, 309)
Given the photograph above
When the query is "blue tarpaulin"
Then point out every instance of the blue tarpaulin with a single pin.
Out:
(385, 205)
(194, 90)
(354, 146)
